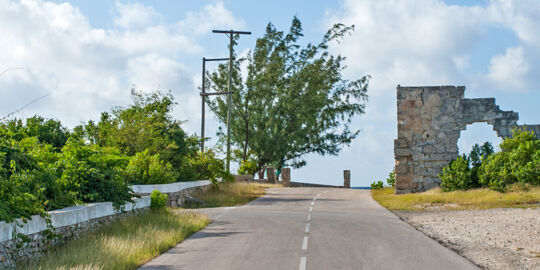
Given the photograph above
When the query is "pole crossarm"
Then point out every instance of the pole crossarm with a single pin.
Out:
(215, 93)
(231, 32)
(215, 59)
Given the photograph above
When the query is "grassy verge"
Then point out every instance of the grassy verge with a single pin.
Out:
(232, 194)
(458, 200)
(125, 243)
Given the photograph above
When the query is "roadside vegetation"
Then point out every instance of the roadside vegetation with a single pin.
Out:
(45, 166)
(231, 194)
(516, 196)
(126, 243)
(483, 179)
(518, 163)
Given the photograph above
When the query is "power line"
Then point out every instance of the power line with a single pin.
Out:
(26, 105)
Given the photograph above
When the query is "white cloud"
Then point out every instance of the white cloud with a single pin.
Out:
(135, 15)
(89, 69)
(212, 16)
(522, 16)
(424, 43)
(509, 70)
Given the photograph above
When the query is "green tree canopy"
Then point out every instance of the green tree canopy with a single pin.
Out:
(294, 100)
(146, 125)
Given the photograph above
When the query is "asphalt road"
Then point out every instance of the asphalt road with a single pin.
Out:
(308, 228)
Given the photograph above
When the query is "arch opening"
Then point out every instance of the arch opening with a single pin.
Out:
(477, 133)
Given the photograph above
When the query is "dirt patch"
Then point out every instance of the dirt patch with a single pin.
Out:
(492, 239)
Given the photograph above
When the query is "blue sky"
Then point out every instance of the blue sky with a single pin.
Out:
(88, 55)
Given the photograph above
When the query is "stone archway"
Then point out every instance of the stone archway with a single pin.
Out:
(430, 120)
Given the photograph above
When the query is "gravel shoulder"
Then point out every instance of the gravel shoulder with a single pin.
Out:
(492, 239)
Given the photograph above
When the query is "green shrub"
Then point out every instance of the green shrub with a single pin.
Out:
(248, 167)
(146, 124)
(457, 175)
(391, 180)
(157, 199)
(377, 185)
(208, 167)
(462, 173)
(518, 162)
(25, 183)
(145, 169)
(93, 174)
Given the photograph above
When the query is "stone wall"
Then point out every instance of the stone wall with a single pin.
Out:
(69, 222)
(430, 120)
(300, 184)
(178, 198)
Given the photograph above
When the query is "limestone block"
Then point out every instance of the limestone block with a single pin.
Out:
(347, 178)
(286, 176)
(270, 172)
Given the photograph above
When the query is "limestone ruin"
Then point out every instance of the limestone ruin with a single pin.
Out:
(430, 120)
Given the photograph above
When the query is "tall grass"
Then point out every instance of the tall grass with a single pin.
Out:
(232, 194)
(515, 197)
(124, 244)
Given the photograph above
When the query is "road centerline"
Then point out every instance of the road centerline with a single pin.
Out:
(305, 243)
(302, 263)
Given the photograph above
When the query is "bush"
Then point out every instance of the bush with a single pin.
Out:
(208, 167)
(377, 185)
(457, 175)
(25, 183)
(247, 167)
(518, 162)
(93, 174)
(391, 180)
(146, 124)
(145, 169)
(462, 173)
(158, 200)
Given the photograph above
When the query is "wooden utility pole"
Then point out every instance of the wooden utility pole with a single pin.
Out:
(231, 34)
(204, 94)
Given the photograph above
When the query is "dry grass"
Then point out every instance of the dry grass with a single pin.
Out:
(516, 197)
(233, 194)
(124, 244)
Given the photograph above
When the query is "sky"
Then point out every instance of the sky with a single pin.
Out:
(80, 58)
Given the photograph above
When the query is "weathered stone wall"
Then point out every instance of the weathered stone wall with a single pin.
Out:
(71, 221)
(178, 198)
(243, 178)
(430, 120)
(12, 255)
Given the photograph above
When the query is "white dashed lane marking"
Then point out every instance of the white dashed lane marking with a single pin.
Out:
(302, 263)
(304, 244)
(303, 259)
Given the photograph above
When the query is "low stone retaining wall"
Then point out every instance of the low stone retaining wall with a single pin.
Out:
(298, 184)
(177, 191)
(69, 222)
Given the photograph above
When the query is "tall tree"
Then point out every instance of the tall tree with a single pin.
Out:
(294, 100)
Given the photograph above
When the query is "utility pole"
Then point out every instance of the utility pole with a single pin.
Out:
(204, 94)
(229, 97)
